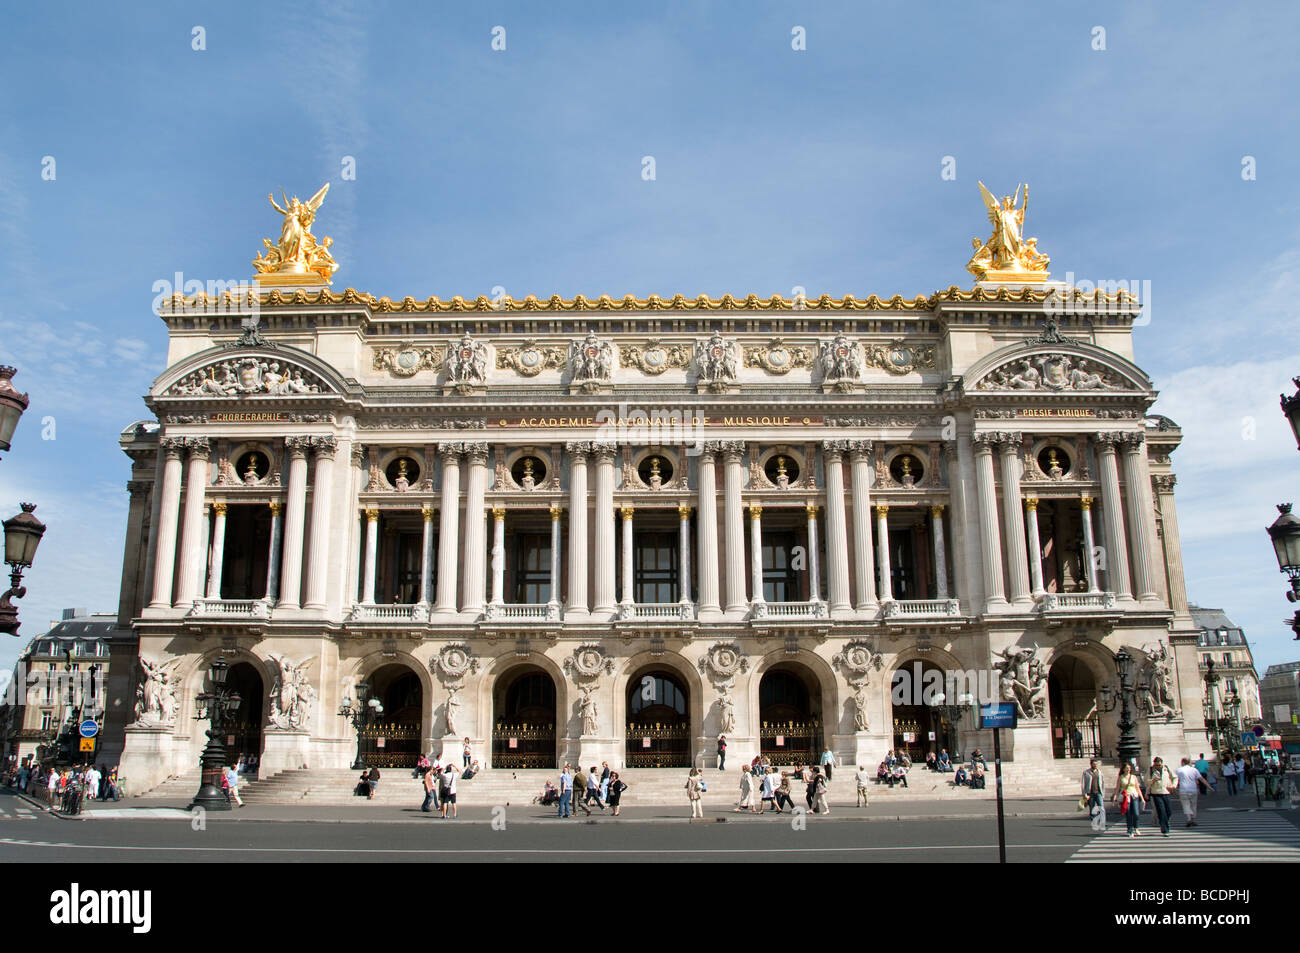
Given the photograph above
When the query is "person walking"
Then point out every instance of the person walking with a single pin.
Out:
(819, 793)
(372, 782)
(615, 792)
(694, 793)
(746, 790)
(722, 752)
(1243, 775)
(863, 778)
(1093, 788)
(593, 789)
(605, 775)
(232, 784)
(430, 782)
(1160, 783)
(1188, 779)
(767, 789)
(1230, 774)
(1207, 778)
(783, 793)
(566, 792)
(1129, 797)
(828, 762)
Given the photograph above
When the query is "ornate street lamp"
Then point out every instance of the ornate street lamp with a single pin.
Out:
(217, 706)
(953, 714)
(22, 535)
(363, 714)
(1285, 534)
(12, 405)
(1211, 705)
(1128, 748)
(1291, 407)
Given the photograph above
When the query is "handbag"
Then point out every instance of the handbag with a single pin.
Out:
(1083, 803)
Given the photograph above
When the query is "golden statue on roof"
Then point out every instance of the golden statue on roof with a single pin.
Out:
(298, 253)
(1007, 255)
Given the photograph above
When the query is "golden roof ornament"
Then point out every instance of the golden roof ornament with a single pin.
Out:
(1007, 256)
(298, 258)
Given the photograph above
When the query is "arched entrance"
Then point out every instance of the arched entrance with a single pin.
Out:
(1072, 700)
(244, 732)
(393, 740)
(919, 726)
(658, 720)
(790, 715)
(523, 719)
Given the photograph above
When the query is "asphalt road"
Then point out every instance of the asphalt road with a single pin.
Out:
(1037, 834)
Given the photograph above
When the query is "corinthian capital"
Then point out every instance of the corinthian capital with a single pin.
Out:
(604, 451)
(1132, 440)
(450, 450)
(1165, 483)
(297, 446)
(1107, 439)
(477, 451)
(173, 447)
(578, 448)
(859, 448)
(985, 440)
(1010, 440)
(835, 446)
(325, 445)
(200, 448)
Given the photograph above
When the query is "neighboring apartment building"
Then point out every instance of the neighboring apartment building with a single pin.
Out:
(1279, 692)
(60, 675)
(1223, 642)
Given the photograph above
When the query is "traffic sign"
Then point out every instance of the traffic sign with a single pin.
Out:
(89, 728)
(1259, 731)
(87, 744)
(1000, 715)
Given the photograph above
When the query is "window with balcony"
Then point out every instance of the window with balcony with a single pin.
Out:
(246, 551)
(655, 567)
(532, 568)
(781, 582)
(47, 720)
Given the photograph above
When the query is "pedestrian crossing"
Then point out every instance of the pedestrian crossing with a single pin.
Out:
(1237, 836)
(18, 814)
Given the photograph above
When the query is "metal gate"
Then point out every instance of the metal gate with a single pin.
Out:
(792, 743)
(523, 746)
(391, 746)
(658, 745)
(1075, 738)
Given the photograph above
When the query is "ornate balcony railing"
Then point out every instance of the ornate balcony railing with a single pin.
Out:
(789, 611)
(1053, 601)
(363, 612)
(656, 611)
(231, 608)
(922, 609)
(523, 612)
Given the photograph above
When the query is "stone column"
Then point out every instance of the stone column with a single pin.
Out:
(557, 512)
(218, 549)
(1014, 517)
(155, 508)
(295, 516)
(627, 512)
(206, 549)
(498, 554)
(708, 533)
(940, 551)
(882, 553)
(734, 525)
(864, 578)
(196, 485)
(684, 557)
(1173, 547)
(1116, 547)
(273, 554)
(814, 563)
(475, 528)
(318, 552)
(837, 539)
(604, 530)
(1140, 516)
(426, 555)
(448, 527)
(990, 538)
(1035, 547)
(756, 551)
(578, 527)
(372, 555)
(1089, 546)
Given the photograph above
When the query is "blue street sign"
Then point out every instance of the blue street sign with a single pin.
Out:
(1001, 715)
(89, 729)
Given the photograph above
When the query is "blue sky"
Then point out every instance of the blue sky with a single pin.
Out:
(775, 168)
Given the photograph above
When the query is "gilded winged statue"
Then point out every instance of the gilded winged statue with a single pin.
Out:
(1006, 249)
(298, 252)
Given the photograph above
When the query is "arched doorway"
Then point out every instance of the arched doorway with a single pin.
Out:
(658, 720)
(1072, 699)
(244, 731)
(790, 715)
(523, 719)
(919, 726)
(393, 740)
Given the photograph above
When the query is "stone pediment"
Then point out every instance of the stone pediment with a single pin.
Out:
(248, 372)
(1051, 368)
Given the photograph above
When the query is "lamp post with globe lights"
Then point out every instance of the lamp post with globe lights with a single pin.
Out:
(218, 706)
(1285, 535)
(12, 405)
(362, 714)
(22, 535)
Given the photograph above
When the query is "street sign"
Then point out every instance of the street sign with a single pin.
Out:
(87, 744)
(1259, 731)
(1000, 715)
(89, 729)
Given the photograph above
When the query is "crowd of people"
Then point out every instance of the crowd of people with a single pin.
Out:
(64, 789)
